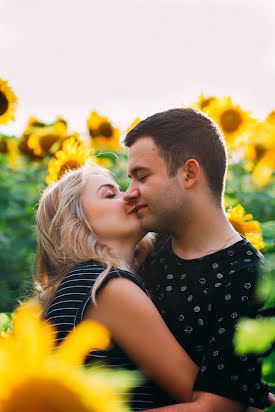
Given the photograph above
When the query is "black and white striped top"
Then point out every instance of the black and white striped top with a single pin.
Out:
(67, 310)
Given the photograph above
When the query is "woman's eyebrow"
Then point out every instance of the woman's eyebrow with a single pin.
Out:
(109, 185)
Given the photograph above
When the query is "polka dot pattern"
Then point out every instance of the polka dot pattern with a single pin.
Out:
(203, 300)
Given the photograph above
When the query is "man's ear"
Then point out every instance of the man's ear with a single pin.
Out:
(189, 173)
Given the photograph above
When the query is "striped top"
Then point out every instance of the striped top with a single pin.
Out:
(67, 309)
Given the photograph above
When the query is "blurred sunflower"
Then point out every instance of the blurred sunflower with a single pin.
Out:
(46, 139)
(271, 117)
(260, 149)
(35, 377)
(102, 132)
(73, 154)
(8, 102)
(135, 122)
(6, 144)
(233, 121)
(203, 102)
(245, 225)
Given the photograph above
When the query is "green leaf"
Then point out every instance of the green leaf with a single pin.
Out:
(5, 321)
(268, 369)
(266, 286)
(271, 409)
(254, 336)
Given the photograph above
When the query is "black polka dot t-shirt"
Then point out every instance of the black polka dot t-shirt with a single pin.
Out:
(201, 301)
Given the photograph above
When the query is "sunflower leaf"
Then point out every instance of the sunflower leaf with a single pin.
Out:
(268, 370)
(254, 336)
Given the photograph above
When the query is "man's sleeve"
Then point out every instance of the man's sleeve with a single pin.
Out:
(222, 371)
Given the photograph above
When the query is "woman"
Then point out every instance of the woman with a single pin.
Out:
(88, 249)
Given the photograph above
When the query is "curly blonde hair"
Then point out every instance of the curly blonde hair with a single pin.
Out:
(65, 237)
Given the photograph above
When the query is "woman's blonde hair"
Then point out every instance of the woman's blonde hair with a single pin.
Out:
(65, 237)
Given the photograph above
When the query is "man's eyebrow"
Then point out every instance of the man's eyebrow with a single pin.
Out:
(109, 185)
(137, 169)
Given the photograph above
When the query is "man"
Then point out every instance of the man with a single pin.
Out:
(204, 274)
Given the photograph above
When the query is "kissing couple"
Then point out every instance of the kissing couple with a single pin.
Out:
(159, 265)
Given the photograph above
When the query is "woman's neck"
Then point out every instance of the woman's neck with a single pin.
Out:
(124, 250)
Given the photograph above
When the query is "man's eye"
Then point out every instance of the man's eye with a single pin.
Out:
(141, 178)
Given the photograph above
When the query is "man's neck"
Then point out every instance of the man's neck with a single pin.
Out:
(207, 232)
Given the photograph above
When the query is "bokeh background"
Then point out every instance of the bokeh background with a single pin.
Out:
(76, 75)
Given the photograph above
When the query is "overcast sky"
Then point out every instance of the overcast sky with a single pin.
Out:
(134, 57)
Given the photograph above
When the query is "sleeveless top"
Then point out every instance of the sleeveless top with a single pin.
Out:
(67, 309)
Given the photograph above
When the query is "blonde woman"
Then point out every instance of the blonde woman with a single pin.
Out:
(89, 248)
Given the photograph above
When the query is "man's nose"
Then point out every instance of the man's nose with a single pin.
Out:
(131, 194)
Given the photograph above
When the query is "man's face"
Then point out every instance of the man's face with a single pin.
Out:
(157, 196)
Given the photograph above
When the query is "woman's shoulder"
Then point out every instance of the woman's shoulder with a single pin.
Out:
(89, 271)
(122, 273)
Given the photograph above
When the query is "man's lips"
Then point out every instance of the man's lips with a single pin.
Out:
(140, 208)
(136, 209)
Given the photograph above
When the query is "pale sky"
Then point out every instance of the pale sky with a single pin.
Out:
(130, 58)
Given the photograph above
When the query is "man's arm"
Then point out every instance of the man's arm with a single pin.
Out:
(204, 402)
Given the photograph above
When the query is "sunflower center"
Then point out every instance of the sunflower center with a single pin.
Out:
(70, 164)
(4, 103)
(230, 120)
(47, 141)
(104, 129)
(3, 146)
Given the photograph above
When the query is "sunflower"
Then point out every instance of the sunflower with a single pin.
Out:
(271, 117)
(245, 225)
(263, 171)
(203, 102)
(36, 377)
(74, 154)
(8, 102)
(135, 122)
(260, 149)
(6, 144)
(102, 132)
(41, 139)
(45, 139)
(233, 121)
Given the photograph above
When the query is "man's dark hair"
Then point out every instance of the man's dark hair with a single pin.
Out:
(182, 134)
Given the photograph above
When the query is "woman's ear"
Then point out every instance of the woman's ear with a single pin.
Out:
(189, 173)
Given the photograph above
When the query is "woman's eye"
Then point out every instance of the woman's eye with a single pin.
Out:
(110, 195)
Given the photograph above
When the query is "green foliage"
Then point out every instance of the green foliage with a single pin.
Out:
(258, 336)
(19, 192)
(268, 369)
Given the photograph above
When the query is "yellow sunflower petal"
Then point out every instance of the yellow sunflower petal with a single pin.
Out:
(74, 154)
(203, 102)
(36, 338)
(242, 222)
(86, 336)
(54, 382)
(264, 169)
(8, 102)
(256, 241)
(134, 123)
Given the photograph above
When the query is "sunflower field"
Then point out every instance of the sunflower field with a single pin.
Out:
(44, 151)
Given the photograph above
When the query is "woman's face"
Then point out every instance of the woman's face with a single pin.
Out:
(104, 208)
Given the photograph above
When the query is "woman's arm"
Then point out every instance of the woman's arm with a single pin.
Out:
(137, 327)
